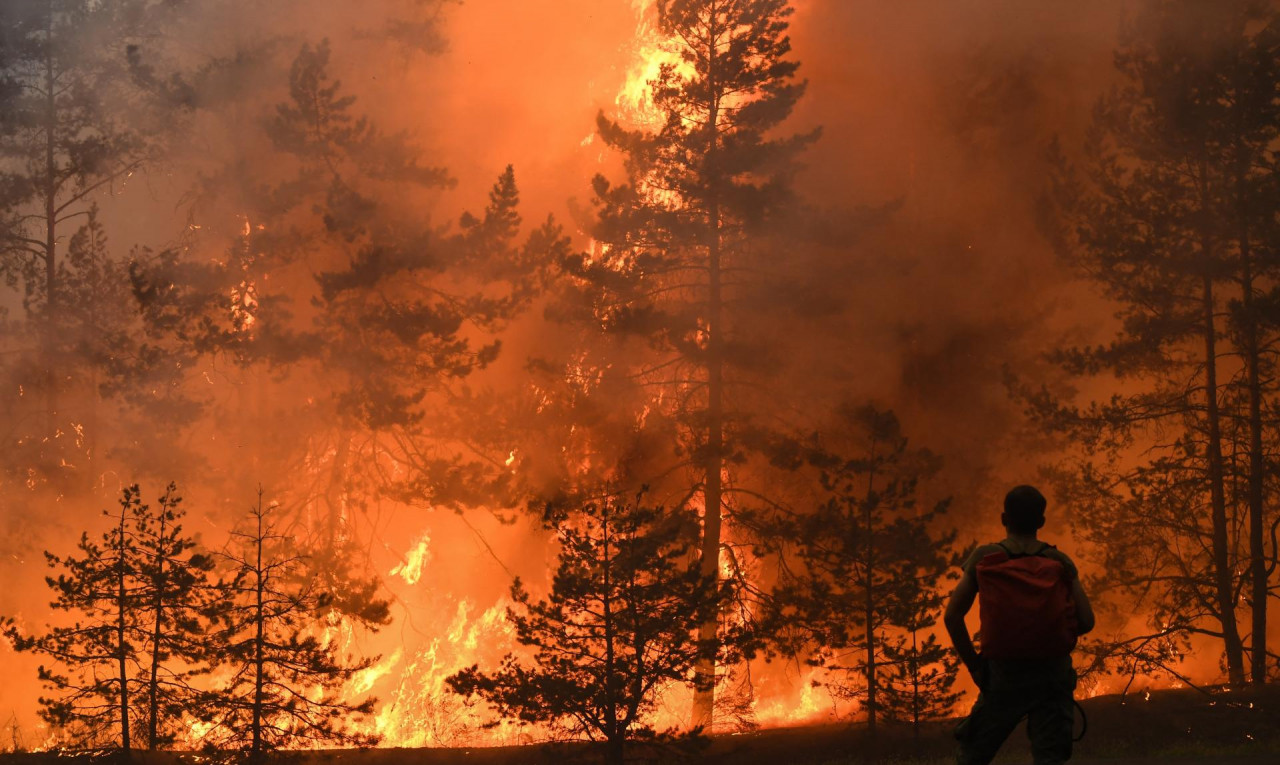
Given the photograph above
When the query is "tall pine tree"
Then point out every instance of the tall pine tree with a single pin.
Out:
(286, 674)
(140, 599)
(678, 245)
(96, 685)
(1167, 214)
(175, 605)
(62, 143)
(344, 306)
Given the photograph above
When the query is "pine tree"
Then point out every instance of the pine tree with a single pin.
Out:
(680, 242)
(285, 672)
(338, 289)
(865, 590)
(142, 601)
(174, 604)
(919, 672)
(62, 144)
(1167, 215)
(409, 310)
(98, 341)
(96, 687)
(1248, 79)
(618, 624)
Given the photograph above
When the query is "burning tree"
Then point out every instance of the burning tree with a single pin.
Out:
(619, 623)
(865, 593)
(341, 304)
(285, 666)
(680, 245)
(140, 596)
(1169, 216)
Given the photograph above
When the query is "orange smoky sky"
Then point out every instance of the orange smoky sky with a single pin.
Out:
(521, 83)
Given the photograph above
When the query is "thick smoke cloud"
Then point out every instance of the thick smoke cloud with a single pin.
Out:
(949, 108)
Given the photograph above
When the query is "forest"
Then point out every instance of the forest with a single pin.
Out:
(470, 373)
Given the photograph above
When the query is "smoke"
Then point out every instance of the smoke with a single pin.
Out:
(949, 108)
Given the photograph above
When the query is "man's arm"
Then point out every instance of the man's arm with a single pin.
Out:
(1084, 611)
(961, 601)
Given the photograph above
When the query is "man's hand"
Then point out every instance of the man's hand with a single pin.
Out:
(979, 670)
(1084, 612)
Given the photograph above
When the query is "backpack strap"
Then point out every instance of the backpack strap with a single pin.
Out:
(1038, 553)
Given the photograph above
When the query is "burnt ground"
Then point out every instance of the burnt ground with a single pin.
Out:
(1176, 726)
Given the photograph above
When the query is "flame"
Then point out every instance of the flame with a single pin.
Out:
(244, 304)
(652, 51)
(411, 569)
(197, 730)
(811, 705)
(422, 711)
(364, 680)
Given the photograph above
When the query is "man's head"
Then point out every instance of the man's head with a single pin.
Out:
(1023, 510)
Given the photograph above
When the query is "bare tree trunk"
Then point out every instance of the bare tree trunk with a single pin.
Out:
(1257, 457)
(869, 603)
(1225, 590)
(616, 750)
(122, 606)
(50, 192)
(915, 685)
(259, 652)
(713, 489)
(713, 501)
(614, 734)
(1257, 551)
(153, 723)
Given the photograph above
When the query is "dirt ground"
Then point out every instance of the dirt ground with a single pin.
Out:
(1268, 760)
(1177, 726)
(1183, 727)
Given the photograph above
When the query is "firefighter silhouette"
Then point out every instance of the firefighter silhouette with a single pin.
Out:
(1032, 609)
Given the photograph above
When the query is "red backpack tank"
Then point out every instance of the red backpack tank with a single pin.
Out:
(1025, 605)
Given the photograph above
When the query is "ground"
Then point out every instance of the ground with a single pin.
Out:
(1184, 727)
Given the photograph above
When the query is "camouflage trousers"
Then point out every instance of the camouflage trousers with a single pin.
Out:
(1040, 691)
